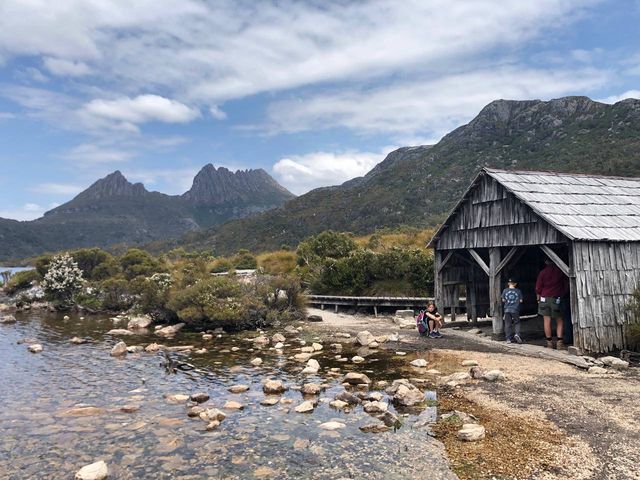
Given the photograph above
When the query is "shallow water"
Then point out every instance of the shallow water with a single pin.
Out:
(39, 440)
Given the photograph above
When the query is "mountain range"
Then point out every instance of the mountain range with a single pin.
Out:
(413, 186)
(416, 186)
(116, 211)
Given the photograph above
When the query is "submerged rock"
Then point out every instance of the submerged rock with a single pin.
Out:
(375, 428)
(348, 397)
(269, 401)
(199, 397)
(78, 340)
(338, 404)
(305, 407)
(332, 425)
(95, 471)
(120, 331)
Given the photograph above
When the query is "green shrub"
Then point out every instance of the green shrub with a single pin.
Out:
(95, 263)
(278, 263)
(136, 262)
(221, 265)
(244, 260)
(42, 264)
(116, 294)
(22, 281)
(325, 245)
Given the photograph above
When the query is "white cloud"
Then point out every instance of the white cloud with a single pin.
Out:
(88, 154)
(28, 211)
(217, 113)
(301, 173)
(616, 98)
(430, 107)
(7, 115)
(128, 112)
(62, 67)
(57, 189)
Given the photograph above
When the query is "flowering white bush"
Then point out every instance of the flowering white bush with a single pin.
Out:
(63, 279)
(163, 281)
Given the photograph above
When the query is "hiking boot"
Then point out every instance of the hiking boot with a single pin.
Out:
(438, 334)
(432, 335)
(560, 345)
(509, 340)
(517, 338)
(549, 343)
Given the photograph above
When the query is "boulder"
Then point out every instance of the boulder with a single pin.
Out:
(170, 330)
(305, 407)
(332, 425)
(142, 321)
(302, 357)
(278, 338)
(307, 349)
(355, 378)
(407, 395)
(212, 414)
(7, 319)
(419, 362)
(95, 471)
(471, 432)
(119, 349)
(338, 404)
(35, 348)
(314, 318)
(494, 376)
(404, 323)
(256, 362)
(364, 338)
(238, 388)
(199, 397)
(313, 363)
(311, 389)
(614, 362)
(348, 397)
(273, 387)
(375, 407)
(316, 346)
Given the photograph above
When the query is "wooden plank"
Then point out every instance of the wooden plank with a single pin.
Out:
(507, 258)
(557, 260)
(445, 260)
(479, 259)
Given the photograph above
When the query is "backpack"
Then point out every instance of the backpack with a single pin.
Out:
(421, 323)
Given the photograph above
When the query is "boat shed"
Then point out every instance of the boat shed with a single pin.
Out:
(508, 222)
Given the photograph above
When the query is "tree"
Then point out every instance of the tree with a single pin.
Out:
(325, 245)
(136, 262)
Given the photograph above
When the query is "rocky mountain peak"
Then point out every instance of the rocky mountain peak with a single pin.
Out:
(215, 186)
(113, 185)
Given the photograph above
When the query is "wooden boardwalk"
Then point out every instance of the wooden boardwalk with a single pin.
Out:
(409, 303)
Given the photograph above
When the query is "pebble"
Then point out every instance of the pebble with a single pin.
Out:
(256, 361)
(332, 425)
(238, 388)
(233, 405)
(95, 471)
(119, 349)
(357, 359)
(35, 348)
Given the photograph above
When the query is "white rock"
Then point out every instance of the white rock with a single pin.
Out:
(135, 349)
(35, 348)
(357, 359)
(313, 363)
(119, 349)
(374, 345)
(278, 338)
(211, 414)
(309, 371)
(8, 319)
(278, 346)
(598, 370)
(233, 405)
(302, 357)
(177, 398)
(375, 407)
(332, 426)
(66, 317)
(316, 346)
(402, 354)
(364, 338)
(469, 363)
(95, 471)
(338, 404)
(273, 387)
(170, 330)
(394, 337)
(305, 407)
(419, 362)
(471, 432)
(207, 336)
(120, 331)
(615, 362)
(408, 395)
(256, 361)
(355, 378)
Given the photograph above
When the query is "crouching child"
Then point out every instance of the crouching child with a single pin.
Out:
(434, 320)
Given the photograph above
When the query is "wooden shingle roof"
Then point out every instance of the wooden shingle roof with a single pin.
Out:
(582, 207)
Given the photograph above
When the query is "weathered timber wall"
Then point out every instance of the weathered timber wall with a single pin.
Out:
(490, 216)
(606, 274)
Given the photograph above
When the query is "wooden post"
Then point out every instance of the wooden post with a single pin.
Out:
(322, 306)
(336, 308)
(472, 310)
(375, 310)
(573, 299)
(437, 289)
(495, 291)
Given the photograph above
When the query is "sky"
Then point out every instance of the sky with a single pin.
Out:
(314, 92)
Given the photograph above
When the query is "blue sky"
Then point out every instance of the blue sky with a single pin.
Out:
(315, 93)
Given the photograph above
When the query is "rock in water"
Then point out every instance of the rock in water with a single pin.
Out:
(311, 389)
(375, 407)
(364, 338)
(238, 388)
(78, 340)
(95, 471)
(119, 331)
(354, 378)
(256, 362)
(408, 395)
(316, 346)
(169, 331)
(273, 387)
(278, 338)
(305, 407)
(142, 321)
(471, 432)
(212, 414)
(35, 348)
(332, 425)
(233, 405)
(8, 319)
(119, 349)
(199, 397)
(375, 428)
